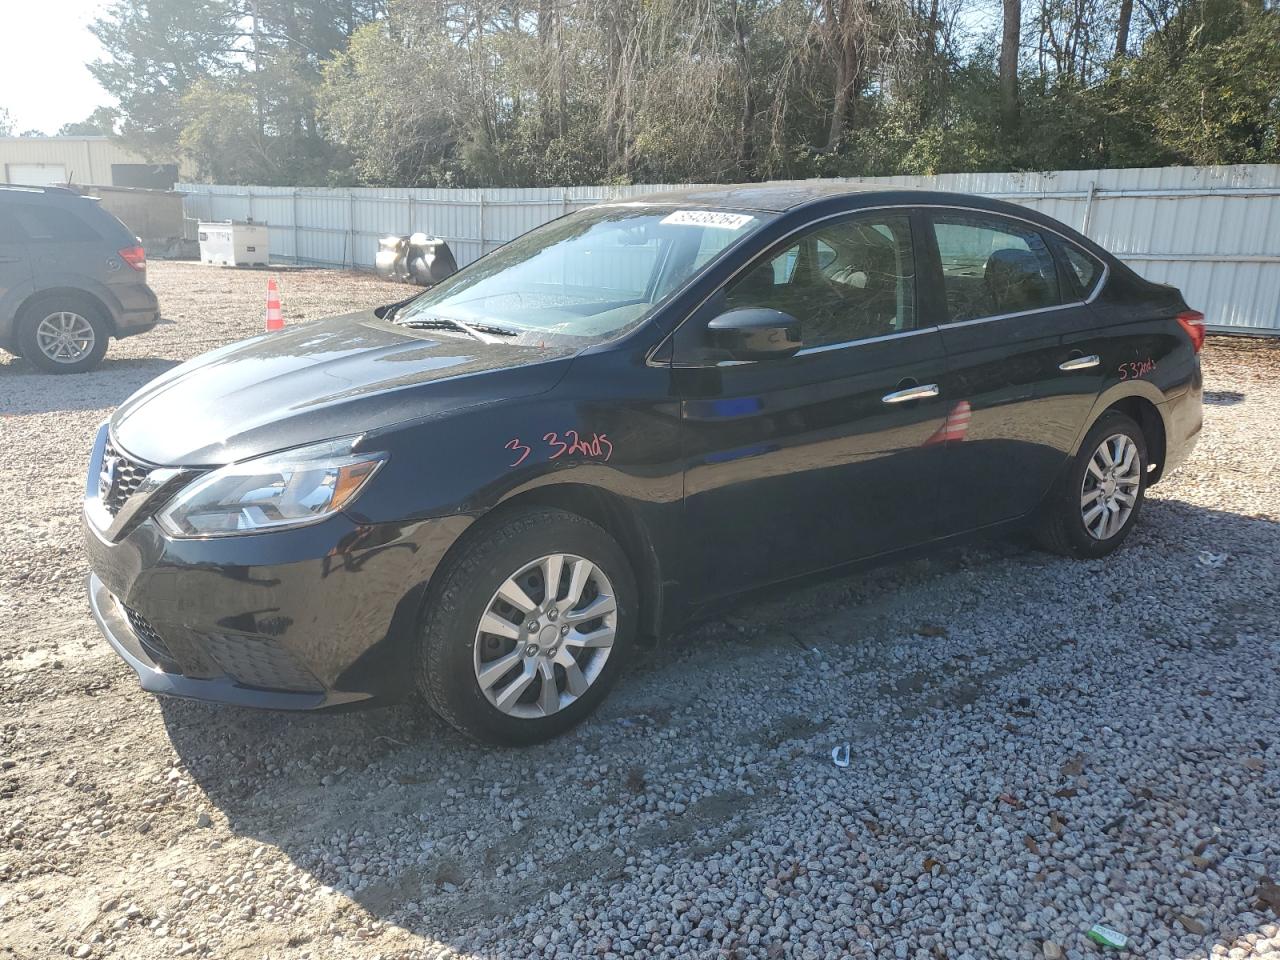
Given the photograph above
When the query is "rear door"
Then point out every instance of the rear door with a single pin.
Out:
(802, 463)
(1017, 399)
(63, 245)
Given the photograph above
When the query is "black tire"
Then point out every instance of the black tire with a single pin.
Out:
(493, 552)
(1062, 527)
(35, 312)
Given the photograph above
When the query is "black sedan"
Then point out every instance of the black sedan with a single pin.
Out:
(484, 495)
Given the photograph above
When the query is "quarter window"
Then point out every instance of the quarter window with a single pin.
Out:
(49, 224)
(992, 266)
(843, 282)
(1084, 268)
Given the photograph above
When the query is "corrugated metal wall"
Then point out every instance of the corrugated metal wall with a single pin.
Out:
(1214, 232)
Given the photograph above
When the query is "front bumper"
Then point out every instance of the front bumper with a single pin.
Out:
(311, 618)
(128, 643)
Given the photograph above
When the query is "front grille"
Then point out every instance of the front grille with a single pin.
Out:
(119, 478)
(259, 662)
(155, 647)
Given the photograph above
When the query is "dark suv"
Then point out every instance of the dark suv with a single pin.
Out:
(71, 277)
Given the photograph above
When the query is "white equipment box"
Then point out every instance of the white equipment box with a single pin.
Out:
(234, 243)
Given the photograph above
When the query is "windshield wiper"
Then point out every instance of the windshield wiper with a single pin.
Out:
(485, 333)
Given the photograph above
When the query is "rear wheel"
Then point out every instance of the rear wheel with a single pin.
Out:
(63, 334)
(1097, 503)
(528, 629)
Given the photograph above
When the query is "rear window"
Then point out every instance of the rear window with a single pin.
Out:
(52, 224)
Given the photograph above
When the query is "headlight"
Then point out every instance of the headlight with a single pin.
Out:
(288, 489)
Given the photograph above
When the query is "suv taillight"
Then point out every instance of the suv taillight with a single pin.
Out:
(1192, 321)
(135, 257)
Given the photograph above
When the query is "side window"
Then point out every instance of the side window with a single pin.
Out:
(844, 281)
(992, 266)
(1085, 270)
(52, 224)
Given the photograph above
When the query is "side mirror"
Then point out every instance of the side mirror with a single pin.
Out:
(754, 334)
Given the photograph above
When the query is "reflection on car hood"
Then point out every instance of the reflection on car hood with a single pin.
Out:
(317, 381)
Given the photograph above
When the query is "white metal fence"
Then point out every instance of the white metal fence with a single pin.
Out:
(1213, 232)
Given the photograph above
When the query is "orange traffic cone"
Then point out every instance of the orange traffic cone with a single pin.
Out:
(955, 427)
(275, 319)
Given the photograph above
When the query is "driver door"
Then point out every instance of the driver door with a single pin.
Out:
(805, 462)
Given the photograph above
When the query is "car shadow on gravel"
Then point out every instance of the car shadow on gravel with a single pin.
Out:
(428, 831)
(330, 791)
(24, 389)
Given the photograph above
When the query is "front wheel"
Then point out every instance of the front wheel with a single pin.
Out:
(1097, 503)
(528, 629)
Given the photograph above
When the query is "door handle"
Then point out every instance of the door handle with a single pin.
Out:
(918, 392)
(10, 259)
(1080, 363)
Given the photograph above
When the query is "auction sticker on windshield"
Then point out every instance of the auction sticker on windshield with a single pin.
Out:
(709, 218)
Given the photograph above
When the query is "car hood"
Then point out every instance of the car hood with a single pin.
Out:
(316, 381)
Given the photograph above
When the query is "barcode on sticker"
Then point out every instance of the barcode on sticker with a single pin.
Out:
(709, 218)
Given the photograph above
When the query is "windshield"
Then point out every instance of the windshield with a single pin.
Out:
(583, 278)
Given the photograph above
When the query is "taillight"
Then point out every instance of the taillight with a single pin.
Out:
(135, 257)
(1192, 321)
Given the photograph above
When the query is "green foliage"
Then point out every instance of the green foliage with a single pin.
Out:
(464, 93)
(182, 70)
(100, 123)
(1219, 101)
(157, 51)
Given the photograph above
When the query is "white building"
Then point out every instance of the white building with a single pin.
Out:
(41, 161)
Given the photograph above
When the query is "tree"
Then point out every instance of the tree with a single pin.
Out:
(157, 51)
(547, 92)
(1123, 20)
(6, 123)
(100, 123)
(169, 62)
(1212, 99)
(1010, 41)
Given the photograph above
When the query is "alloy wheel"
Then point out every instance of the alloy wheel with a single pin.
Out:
(1110, 488)
(545, 636)
(65, 337)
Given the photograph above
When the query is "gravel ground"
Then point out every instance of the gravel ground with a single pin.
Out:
(1037, 745)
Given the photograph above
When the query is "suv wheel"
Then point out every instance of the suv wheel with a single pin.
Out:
(63, 335)
(1098, 501)
(528, 629)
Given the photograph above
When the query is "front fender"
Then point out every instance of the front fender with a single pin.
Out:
(470, 462)
(604, 442)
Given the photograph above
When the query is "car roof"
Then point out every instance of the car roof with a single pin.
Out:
(24, 192)
(783, 195)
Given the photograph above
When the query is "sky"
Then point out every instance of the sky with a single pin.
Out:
(44, 45)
